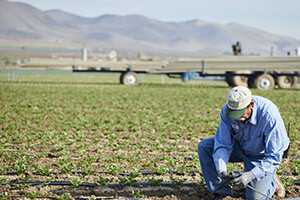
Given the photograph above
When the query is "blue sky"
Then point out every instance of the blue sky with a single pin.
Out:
(280, 17)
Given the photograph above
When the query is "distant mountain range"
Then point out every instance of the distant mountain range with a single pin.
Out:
(19, 21)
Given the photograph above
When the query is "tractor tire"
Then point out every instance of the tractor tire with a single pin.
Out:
(241, 80)
(129, 78)
(264, 82)
(286, 82)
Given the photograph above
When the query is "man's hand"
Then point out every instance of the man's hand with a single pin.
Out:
(243, 179)
(224, 177)
(222, 174)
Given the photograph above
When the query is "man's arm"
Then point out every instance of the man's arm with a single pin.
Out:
(223, 143)
(277, 142)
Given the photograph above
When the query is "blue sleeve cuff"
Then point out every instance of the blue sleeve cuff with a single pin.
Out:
(258, 173)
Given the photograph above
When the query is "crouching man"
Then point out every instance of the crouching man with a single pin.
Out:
(251, 131)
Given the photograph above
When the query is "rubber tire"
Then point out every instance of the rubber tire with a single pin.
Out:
(129, 78)
(121, 78)
(286, 82)
(241, 80)
(228, 78)
(264, 82)
(251, 82)
(237, 80)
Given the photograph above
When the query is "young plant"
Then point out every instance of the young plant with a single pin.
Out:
(129, 180)
(76, 182)
(103, 181)
(155, 181)
(33, 194)
(47, 181)
(138, 195)
(112, 168)
(65, 196)
(66, 168)
(93, 197)
(296, 166)
(160, 169)
(88, 171)
(20, 167)
(43, 171)
(177, 181)
(21, 186)
(287, 182)
(25, 179)
(5, 196)
(3, 180)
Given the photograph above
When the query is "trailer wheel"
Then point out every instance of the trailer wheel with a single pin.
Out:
(228, 78)
(241, 80)
(251, 82)
(129, 78)
(264, 82)
(286, 81)
(121, 77)
(235, 80)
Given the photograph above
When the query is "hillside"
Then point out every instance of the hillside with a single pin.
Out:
(29, 23)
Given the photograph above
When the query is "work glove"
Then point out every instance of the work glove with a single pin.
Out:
(223, 176)
(243, 179)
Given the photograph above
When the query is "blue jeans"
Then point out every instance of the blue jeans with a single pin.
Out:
(266, 185)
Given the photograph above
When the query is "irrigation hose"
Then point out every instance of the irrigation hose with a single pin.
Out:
(217, 188)
(225, 181)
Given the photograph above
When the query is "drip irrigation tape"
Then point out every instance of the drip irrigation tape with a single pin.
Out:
(64, 183)
(141, 172)
(80, 198)
(174, 157)
(109, 185)
(296, 182)
(42, 197)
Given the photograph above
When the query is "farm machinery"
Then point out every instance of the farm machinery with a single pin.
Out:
(263, 73)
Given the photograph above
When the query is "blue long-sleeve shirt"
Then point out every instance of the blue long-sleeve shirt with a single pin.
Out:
(263, 136)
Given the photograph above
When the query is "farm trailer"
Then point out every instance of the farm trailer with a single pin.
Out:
(251, 71)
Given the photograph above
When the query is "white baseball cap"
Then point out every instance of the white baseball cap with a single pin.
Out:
(238, 98)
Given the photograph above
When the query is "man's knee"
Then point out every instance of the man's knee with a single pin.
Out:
(264, 187)
(252, 195)
(206, 144)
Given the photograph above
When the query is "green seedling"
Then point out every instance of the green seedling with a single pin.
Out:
(64, 161)
(47, 181)
(112, 168)
(103, 181)
(65, 196)
(3, 180)
(5, 196)
(138, 195)
(177, 181)
(43, 171)
(76, 182)
(287, 182)
(129, 180)
(296, 166)
(66, 168)
(25, 179)
(93, 197)
(88, 171)
(20, 167)
(33, 194)
(21, 186)
(155, 181)
(159, 169)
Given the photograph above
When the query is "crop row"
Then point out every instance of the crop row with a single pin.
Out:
(76, 123)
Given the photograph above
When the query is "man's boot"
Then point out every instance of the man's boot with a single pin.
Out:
(280, 190)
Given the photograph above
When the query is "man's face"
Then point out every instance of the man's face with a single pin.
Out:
(247, 113)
